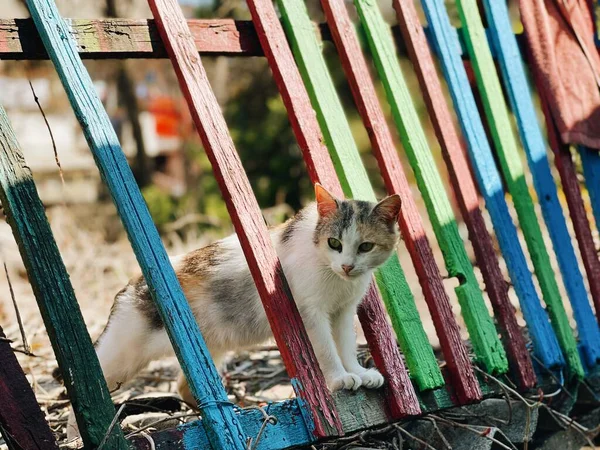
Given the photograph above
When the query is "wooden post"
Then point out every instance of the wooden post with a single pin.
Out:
(483, 334)
(289, 332)
(219, 417)
(21, 421)
(517, 86)
(466, 193)
(512, 168)
(54, 294)
(448, 51)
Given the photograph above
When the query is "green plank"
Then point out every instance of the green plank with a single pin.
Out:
(55, 297)
(512, 168)
(398, 298)
(484, 337)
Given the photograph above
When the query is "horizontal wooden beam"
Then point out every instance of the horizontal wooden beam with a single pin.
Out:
(139, 39)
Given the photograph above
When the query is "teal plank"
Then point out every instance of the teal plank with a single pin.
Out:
(221, 425)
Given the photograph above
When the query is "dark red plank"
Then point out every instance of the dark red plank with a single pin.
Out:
(355, 66)
(465, 191)
(402, 400)
(265, 267)
(21, 419)
(570, 185)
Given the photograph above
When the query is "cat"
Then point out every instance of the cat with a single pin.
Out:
(328, 250)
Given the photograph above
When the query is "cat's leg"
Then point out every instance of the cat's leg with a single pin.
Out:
(320, 334)
(127, 345)
(345, 339)
(183, 387)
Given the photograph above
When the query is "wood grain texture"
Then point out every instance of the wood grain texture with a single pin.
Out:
(516, 84)
(590, 161)
(563, 160)
(411, 224)
(220, 420)
(443, 37)
(355, 183)
(507, 150)
(466, 194)
(487, 346)
(22, 422)
(128, 38)
(55, 297)
(243, 208)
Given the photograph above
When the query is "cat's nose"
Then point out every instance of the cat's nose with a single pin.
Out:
(347, 268)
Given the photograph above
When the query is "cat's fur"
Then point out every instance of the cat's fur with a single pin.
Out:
(221, 293)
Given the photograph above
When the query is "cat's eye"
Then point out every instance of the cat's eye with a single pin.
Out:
(366, 247)
(335, 244)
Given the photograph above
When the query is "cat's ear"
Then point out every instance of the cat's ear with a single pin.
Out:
(388, 208)
(326, 203)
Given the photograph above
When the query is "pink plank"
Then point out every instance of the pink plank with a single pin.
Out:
(355, 67)
(465, 191)
(265, 267)
(401, 397)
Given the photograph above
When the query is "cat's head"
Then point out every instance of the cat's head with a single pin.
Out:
(355, 236)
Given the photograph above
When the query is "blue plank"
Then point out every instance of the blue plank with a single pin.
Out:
(447, 47)
(515, 82)
(590, 160)
(222, 427)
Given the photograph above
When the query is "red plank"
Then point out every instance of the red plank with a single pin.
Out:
(21, 419)
(355, 67)
(265, 267)
(401, 397)
(465, 191)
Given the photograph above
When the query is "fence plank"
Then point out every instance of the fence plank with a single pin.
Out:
(448, 50)
(590, 161)
(220, 419)
(487, 346)
(563, 160)
(54, 294)
(466, 193)
(515, 82)
(22, 423)
(512, 168)
(265, 267)
(128, 38)
(355, 182)
(411, 224)
(320, 169)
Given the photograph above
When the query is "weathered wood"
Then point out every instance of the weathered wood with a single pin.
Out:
(283, 315)
(512, 169)
(21, 420)
(55, 297)
(289, 430)
(590, 161)
(515, 82)
(570, 186)
(466, 193)
(482, 331)
(411, 224)
(220, 420)
(490, 183)
(128, 38)
(355, 182)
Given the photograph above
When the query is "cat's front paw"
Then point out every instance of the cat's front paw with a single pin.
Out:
(345, 381)
(371, 379)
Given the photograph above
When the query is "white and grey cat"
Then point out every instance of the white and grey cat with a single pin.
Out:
(328, 251)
